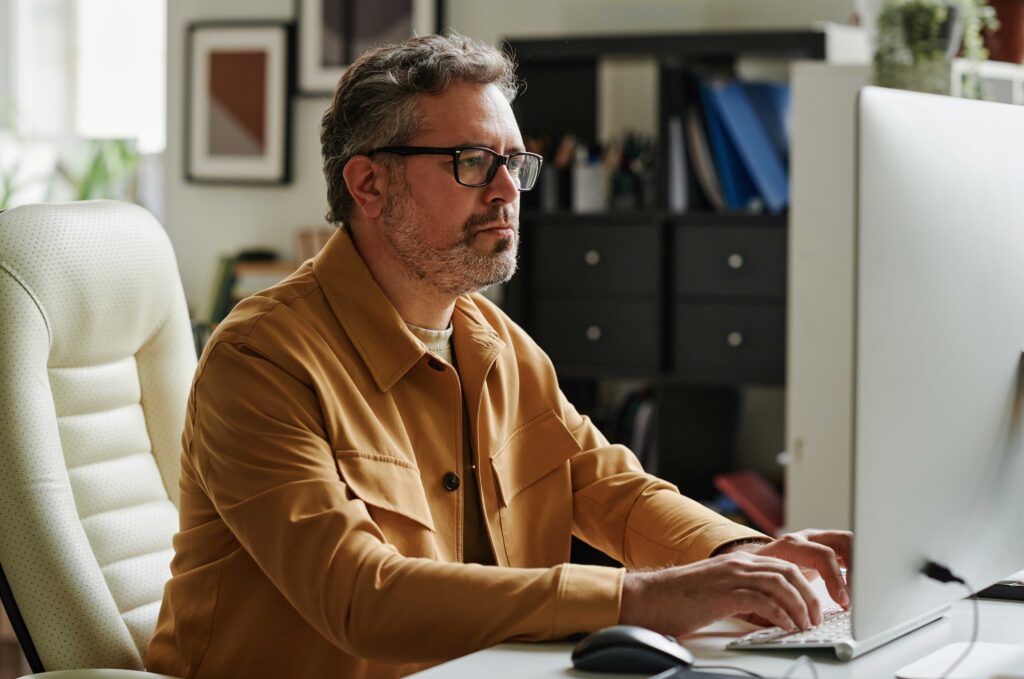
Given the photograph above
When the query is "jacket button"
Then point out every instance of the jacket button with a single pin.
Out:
(451, 481)
(436, 365)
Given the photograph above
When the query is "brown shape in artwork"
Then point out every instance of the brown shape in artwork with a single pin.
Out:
(238, 90)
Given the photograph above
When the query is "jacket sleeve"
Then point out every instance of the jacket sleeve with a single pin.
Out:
(632, 516)
(263, 459)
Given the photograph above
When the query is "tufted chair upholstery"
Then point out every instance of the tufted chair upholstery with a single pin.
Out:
(96, 359)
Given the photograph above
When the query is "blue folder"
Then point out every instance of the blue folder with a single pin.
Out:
(771, 103)
(737, 186)
(752, 142)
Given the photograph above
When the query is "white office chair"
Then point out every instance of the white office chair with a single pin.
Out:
(96, 359)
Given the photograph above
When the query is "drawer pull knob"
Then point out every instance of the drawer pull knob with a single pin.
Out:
(593, 333)
(734, 339)
(735, 261)
(592, 257)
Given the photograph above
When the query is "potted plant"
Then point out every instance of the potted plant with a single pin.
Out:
(104, 168)
(918, 39)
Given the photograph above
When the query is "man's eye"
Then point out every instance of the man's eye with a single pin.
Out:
(470, 161)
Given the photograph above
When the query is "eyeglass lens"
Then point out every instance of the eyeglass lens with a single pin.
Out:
(477, 167)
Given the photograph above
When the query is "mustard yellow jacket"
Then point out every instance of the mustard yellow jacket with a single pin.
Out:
(318, 536)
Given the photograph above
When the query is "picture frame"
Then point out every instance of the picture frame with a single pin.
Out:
(332, 33)
(237, 102)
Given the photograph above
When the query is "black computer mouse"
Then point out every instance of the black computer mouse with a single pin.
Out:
(629, 649)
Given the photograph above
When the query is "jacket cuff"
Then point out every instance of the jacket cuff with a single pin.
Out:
(721, 536)
(588, 599)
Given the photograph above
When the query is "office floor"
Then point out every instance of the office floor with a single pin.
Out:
(12, 663)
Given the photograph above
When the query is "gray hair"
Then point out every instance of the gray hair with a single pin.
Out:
(375, 102)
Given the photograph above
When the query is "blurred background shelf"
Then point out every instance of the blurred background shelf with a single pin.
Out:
(679, 299)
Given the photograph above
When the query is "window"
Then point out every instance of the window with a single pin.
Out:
(76, 70)
(121, 71)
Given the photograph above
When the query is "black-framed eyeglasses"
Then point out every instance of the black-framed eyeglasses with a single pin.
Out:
(475, 166)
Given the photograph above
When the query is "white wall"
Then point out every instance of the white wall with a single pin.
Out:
(206, 221)
(489, 20)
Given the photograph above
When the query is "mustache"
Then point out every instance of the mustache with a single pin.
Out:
(502, 215)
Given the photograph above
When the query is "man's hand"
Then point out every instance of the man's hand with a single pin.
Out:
(683, 599)
(758, 582)
(817, 552)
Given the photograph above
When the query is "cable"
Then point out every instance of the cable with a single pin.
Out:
(796, 664)
(940, 573)
(729, 667)
(936, 571)
(802, 660)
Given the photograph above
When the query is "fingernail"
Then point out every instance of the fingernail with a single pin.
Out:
(844, 598)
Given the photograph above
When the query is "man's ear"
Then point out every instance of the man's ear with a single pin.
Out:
(367, 182)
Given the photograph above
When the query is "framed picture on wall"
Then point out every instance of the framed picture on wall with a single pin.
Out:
(333, 33)
(237, 106)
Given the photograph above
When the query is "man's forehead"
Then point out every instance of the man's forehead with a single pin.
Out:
(467, 113)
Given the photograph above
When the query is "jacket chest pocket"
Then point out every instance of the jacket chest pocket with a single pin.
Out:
(393, 494)
(534, 484)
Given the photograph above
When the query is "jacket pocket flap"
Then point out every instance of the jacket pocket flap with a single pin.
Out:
(387, 483)
(533, 451)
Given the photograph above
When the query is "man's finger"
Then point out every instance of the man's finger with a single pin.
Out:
(827, 564)
(763, 606)
(796, 578)
(839, 541)
(819, 557)
(774, 584)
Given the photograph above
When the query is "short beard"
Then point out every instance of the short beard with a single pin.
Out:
(458, 268)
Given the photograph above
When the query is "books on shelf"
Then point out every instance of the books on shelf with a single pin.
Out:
(253, 277)
(220, 303)
(310, 240)
(678, 198)
(737, 185)
(750, 137)
(238, 277)
(702, 161)
(253, 270)
(771, 103)
(734, 144)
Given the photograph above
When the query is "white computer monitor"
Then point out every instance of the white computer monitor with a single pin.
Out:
(938, 453)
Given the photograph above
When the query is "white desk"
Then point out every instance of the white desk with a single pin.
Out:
(999, 621)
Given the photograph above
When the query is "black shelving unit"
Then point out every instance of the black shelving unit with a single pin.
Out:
(692, 302)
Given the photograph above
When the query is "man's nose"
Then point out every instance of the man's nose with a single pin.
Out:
(503, 187)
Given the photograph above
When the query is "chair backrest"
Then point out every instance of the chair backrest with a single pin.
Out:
(96, 360)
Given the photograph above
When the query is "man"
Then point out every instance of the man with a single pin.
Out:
(379, 470)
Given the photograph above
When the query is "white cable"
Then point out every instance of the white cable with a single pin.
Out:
(805, 660)
(974, 632)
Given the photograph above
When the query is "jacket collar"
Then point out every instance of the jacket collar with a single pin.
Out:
(384, 342)
(475, 342)
(377, 331)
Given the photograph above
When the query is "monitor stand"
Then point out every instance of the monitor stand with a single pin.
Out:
(985, 660)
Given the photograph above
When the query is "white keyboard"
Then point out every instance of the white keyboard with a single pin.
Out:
(833, 632)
